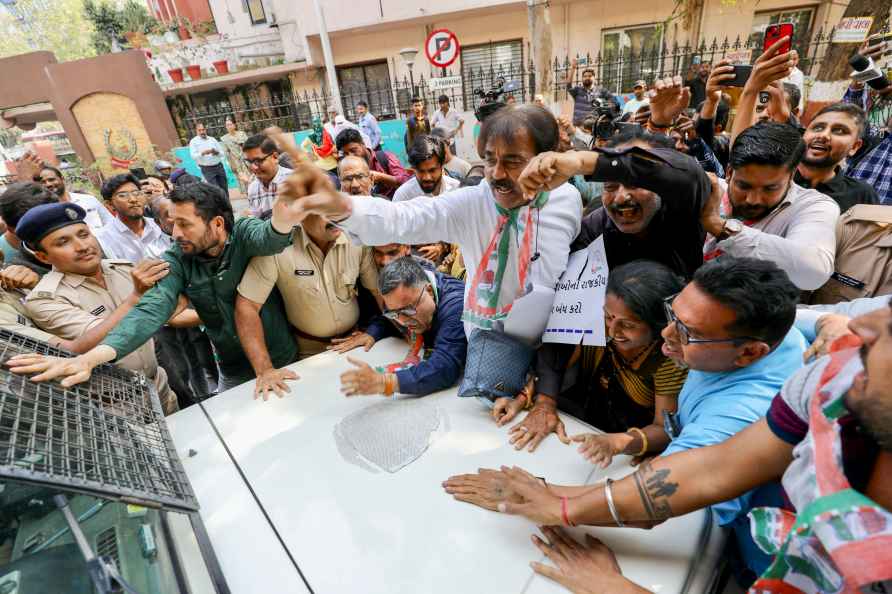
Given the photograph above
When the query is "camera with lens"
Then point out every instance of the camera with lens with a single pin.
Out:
(490, 99)
(606, 113)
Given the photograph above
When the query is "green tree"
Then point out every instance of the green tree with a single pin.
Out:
(62, 29)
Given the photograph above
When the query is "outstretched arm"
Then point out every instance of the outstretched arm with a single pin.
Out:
(663, 488)
(769, 67)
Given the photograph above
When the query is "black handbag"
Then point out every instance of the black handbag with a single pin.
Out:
(496, 366)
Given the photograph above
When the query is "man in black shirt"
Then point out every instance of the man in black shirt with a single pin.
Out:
(832, 136)
(653, 195)
(653, 198)
(696, 81)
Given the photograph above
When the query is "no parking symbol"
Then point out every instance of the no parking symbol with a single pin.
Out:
(442, 48)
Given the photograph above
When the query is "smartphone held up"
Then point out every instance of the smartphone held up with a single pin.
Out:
(774, 33)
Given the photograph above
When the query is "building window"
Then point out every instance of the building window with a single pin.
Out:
(256, 11)
(482, 65)
(370, 83)
(629, 54)
(802, 19)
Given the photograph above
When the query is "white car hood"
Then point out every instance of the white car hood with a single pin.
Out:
(293, 500)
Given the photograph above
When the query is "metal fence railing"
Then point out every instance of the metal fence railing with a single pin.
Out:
(616, 71)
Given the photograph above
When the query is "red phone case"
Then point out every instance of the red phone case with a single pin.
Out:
(774, 32)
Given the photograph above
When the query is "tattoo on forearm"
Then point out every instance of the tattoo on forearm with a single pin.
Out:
(655, 490)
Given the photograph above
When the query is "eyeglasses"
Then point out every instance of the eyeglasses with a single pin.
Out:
(392, 314)
(131, 194)
(258, 161)
(684, 334)
(349, 179)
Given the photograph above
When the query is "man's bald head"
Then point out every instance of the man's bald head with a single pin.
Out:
(354, 175)
(350, 161)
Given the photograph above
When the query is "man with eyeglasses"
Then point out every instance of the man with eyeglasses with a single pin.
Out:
(319, 277)
(262, 158)
(732, 326)
(425, 308)
(355, 177)
(131, 235)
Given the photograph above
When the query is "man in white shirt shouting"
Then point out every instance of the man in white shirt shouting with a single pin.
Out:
(510, 242)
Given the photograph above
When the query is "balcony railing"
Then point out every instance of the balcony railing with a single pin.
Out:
(214, 55)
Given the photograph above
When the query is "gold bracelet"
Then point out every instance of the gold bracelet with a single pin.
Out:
(643, 441)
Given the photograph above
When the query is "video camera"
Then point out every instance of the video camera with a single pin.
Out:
(490, 99)
(606, 113)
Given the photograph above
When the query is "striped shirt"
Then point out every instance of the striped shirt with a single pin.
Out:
(260, 197)
(657, 376)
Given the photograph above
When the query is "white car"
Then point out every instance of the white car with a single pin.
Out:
(312, 492)
(290, 508)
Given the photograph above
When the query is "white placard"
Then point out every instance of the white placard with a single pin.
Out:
(739, 56)
(577, 314)
(446, 82)
(852, 29)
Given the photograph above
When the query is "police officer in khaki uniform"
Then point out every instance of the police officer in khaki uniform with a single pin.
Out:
(318, 278)
(14, 280)
(84, 297)
(863, 264)
(14, 318)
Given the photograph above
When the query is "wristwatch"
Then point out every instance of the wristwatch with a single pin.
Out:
(731, 228)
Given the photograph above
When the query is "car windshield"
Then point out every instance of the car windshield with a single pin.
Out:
(38, 553)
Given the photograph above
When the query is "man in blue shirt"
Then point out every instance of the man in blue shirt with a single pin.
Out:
(732, 325)
(426, 308)
(208, 153)
(369, 124)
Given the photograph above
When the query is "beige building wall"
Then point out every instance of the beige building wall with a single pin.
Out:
(578, 26)
(722, 19)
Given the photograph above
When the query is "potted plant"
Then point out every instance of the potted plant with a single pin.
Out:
(156, 34)
(174, 67)
(184, 28)
(193, 61)
(220, 63)
(170, 34)
(205, 28)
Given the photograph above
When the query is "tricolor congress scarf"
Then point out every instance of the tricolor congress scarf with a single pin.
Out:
(507, 256)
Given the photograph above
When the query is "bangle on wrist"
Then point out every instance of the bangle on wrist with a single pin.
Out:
(565, 512)
(389, 384)
(644, 443)
(608, 493)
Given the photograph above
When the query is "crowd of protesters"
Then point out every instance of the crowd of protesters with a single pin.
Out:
(748, 363)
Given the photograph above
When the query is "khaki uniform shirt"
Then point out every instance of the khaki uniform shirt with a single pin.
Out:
(319, 290)
(14, 318)
(68, 305)
(863, 266)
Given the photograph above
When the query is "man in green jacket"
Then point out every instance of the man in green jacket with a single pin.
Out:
(206, 264)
